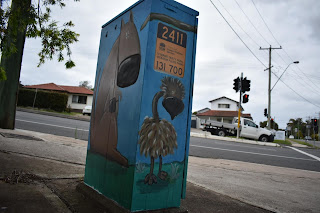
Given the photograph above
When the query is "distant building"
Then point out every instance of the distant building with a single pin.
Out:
(201, 111)
(223, 109)
(78, 97)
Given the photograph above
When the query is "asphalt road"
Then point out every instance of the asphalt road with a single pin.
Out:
(301, 158)
(52, 125)
(274, 156)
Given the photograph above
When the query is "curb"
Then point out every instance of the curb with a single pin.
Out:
(53, 114)
(114, 207)
(209, 136)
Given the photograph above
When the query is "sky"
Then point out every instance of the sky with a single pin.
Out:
(221, 55)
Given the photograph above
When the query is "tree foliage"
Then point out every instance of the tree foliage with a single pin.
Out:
(274, 125)
(85, 84)
(55, 38)
(300, 125)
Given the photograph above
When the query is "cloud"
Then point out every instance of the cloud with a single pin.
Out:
(221, 56)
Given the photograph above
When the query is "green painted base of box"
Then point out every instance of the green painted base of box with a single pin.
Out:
(126, 185)
(109, 178)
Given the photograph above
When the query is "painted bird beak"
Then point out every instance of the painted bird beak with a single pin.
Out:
(173, 105)
(128, 71)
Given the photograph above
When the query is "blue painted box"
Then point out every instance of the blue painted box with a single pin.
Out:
(140, 123)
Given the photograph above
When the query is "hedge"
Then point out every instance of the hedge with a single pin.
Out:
(44, 99)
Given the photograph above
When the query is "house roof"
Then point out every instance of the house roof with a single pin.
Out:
(60, 88)
(220, 113)
(204, 109)
(228, 99)
(223, 97)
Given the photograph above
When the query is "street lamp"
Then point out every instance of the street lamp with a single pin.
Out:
(295, 62)
(269, 90)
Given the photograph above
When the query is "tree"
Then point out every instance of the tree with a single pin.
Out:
(26, 19)
(274, 124)
(299, 125)
(263, 124)
(85, 84)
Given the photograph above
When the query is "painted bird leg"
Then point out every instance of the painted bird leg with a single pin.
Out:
(150, 178)
(161, 174)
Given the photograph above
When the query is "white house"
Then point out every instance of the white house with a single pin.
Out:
(78, 97)
(224, 104)
(223, 109)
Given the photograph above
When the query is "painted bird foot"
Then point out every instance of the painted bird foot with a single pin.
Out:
(150, 179)
(162, 175)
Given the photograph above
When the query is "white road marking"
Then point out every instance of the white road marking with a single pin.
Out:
(312, 156)
(66, 127)
(236, 144)
(253, 153)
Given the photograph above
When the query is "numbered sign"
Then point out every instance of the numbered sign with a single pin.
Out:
(170, 51)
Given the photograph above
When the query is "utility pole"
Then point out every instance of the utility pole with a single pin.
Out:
(239, 110)
(269, 85)
(319, 128)
(298, 128)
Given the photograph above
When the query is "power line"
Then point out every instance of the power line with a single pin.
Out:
(303, 72)
(237, 34)
(305, 84)
(298, 80)
(265, 23)
(238, 24)
(255, 29)
(317, 78)
(275, 62)
(256, 43)
(251, 22)
(296, 92)
(280, 45)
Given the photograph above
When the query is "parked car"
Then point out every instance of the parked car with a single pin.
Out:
(248, 129)
(308, 138)
(87, 110)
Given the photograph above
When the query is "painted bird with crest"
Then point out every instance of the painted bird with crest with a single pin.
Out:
(158, 137)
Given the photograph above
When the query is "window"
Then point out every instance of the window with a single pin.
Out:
(79, 99)
(225, 106)
(249, 123)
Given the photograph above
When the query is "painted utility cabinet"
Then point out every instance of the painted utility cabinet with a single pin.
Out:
(141, 116)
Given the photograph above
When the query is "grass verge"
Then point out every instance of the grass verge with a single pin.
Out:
(49, 110)
(285, 142)
(303, 143)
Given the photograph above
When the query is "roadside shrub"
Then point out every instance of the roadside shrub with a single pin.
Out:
(25, 97)
(44, 99)
(316, 137)
(68, 109)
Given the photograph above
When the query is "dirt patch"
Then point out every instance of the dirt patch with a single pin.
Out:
(17, 136)
(22, 177)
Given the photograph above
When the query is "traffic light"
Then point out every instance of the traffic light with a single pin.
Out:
(245, 85)
(315, 122)
(245, 98)
(236, 84)
(265, 112)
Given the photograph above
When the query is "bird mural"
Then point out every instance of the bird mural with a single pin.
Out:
(158, 137)
(121, 70)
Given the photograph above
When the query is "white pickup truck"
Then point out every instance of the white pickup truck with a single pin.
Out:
(248, 129)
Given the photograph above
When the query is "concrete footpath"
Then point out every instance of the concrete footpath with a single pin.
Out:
(204, 134)
(40, 172)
